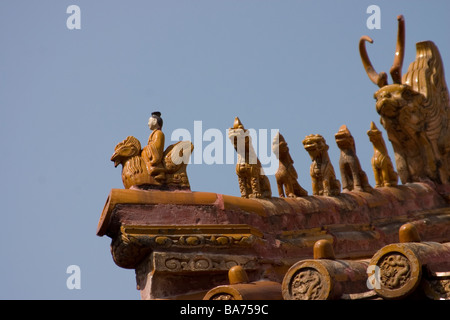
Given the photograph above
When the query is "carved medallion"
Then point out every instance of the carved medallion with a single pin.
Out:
(395, 270)
(307, 285)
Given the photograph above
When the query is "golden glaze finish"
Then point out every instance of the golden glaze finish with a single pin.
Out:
(323, 249)
(408, 233)
(404, 266)
(322, 173)
(237, 275)
(253, 183)
(324, 278)
(352, 175)
(383, 170)
(152, 166)
(259, 290)
(286, 174)
(240, 288)
(150, 197)
(380, 79)
(415, 111)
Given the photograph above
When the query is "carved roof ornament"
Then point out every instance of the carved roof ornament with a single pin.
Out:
(352, 175)
(383, 170)
(380, 79)
(286, 174)
(322, 173)
(253, 183)
(152, 167)
(414, 110)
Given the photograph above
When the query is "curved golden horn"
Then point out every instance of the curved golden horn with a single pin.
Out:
(396, 69)
(379, 79)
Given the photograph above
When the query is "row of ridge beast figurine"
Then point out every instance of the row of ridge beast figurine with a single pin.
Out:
(154, 167)
(414, 111)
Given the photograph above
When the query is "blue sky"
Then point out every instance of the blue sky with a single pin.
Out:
(67, 97)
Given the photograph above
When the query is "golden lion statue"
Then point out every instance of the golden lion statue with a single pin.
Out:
(323, 177)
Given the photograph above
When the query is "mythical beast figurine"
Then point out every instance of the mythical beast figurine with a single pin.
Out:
(253, 183)
(383, 170)
(286, 174)
(323, 177)
(352, 175)
(414, 110)
(152, 166)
